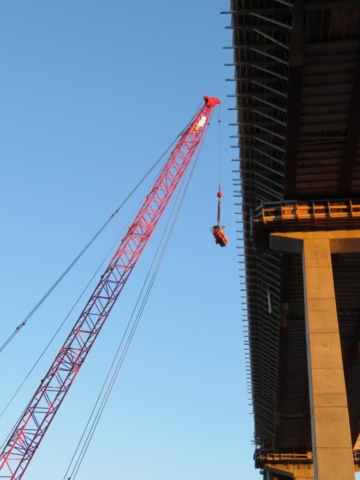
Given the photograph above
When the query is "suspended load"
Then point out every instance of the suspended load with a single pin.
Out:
(217, 230)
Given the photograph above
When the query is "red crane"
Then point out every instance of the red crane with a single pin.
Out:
(41, 410)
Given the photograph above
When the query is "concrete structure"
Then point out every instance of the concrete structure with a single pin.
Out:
(297, 91)
(331, 438)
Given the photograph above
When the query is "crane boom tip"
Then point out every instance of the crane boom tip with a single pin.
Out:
(212, 101)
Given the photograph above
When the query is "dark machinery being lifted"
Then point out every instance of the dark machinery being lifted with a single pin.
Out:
(217, 230)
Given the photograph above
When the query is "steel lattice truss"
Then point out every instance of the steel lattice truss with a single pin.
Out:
(42, 408)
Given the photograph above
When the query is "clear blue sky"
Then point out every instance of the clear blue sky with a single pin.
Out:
(92, 92)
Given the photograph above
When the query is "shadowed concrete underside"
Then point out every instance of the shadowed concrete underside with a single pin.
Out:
(297, 91)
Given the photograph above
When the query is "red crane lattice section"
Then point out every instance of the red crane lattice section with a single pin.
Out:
(36, 419)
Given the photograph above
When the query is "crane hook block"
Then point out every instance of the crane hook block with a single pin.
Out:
(219, 235)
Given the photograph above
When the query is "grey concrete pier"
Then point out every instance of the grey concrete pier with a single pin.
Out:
(330, 428)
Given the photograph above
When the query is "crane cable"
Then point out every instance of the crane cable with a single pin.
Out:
(219, 122)
(41, 301)
(219, 194)
(95, 419)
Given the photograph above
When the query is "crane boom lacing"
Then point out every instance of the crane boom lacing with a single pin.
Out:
(42, 408)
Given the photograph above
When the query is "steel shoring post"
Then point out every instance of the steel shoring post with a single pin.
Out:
(263, 306)
(251, 109)
(274, 290)
(272, 145)
(282, 137)
(250, 46)
(272, 20)
(260, 358)
(266, 384)
(263, 267)
(277, 59)
(250, 79)
(265, 368)
(269, 117)
(266, 324)
(264, 310)
(276, 160)
(250, 28)
(266, 190)
(267, 424)
(273, 105)
(256, 134)
(246, 11)
(269, 330)
(284, 2)
(249, 95)
(251, 64)
(263, 417)
(259, 148)
(263, 406)
(263, 430)
(271, 89)
(269, 71)
(277, 184)
(251, 123)
(38, 415)
(270, 38)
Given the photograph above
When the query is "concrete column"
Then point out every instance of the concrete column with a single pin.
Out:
(330, 428)
(331, 441)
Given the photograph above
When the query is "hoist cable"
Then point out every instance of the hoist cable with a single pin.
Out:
(219, 122)
(27, 318)
(120, 361)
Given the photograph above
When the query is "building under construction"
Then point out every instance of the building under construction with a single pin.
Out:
(297, 95)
